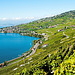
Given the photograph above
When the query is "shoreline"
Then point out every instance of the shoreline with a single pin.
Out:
(34, 48)
(27, 54)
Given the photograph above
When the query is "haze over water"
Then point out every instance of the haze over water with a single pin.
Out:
(12, 45)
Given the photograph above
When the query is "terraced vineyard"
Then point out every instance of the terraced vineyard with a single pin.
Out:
(55, 54)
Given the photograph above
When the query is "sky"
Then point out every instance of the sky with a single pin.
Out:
(28, 10)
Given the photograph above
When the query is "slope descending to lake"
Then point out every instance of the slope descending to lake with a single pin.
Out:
(56, 47)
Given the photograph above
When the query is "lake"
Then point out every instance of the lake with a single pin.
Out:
(13, 45)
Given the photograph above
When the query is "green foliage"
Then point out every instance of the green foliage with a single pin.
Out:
(5, 63)
(58, 57)
(5, 31)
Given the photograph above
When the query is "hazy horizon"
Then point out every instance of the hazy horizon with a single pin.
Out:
(7, 23)
(16, 12)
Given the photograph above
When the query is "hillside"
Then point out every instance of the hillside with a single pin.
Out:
(55, 53)
(44, 23)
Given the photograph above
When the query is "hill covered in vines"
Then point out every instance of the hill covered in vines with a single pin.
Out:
(56, 53)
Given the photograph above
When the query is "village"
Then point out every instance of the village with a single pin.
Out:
(16, 29)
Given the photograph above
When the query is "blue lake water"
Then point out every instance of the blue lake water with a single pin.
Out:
(1, 27)
(13, 45)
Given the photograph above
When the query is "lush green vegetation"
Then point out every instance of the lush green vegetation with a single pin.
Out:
(58, 57)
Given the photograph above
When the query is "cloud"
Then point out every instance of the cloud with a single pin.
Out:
(3, 19)
(49, 15)
(26, 18)
(18, 18)
(29, 18)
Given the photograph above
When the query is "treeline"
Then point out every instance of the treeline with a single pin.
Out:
(31, 34)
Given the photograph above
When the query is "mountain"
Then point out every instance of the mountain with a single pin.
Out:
(11, 22)
(55, 54)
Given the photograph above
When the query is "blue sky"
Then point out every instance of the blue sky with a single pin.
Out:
(33, 9)
(17, 9)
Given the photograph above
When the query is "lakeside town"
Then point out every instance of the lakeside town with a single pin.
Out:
(17, 29)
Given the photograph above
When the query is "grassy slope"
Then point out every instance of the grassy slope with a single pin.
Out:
(40, 59)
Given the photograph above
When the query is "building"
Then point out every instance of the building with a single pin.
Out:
(60, 30)
(45, 45)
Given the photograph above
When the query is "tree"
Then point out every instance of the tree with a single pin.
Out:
(0, 65)
(5, 31)
(34, 42)
(5, 63)
(19, 31)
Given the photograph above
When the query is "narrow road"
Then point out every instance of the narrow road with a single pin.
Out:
(33, 51)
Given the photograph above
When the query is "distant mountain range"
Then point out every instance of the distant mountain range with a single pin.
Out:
(6, 23)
